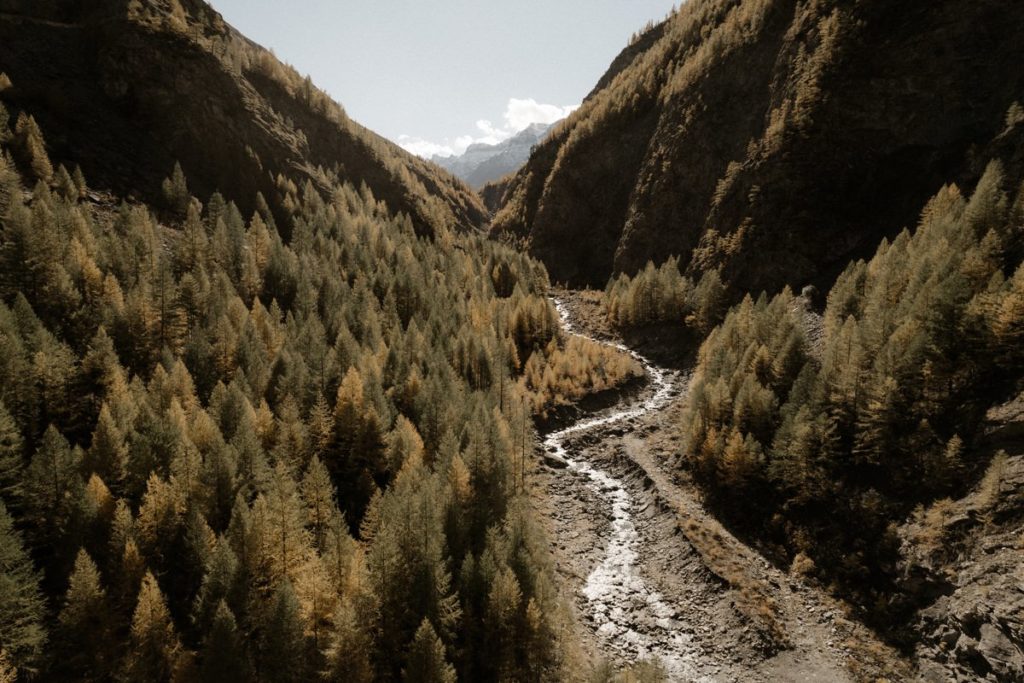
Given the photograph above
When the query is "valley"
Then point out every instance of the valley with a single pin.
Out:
(718, 378)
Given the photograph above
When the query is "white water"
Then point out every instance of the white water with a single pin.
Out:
(631, 617)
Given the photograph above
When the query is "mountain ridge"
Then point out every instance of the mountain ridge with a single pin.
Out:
(133, 88)
(850, 115)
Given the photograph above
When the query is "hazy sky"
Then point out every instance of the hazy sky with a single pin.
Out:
(435, 75)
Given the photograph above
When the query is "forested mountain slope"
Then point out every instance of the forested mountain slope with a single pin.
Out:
(771, 139)
(126, 88)
(272, 435)
(831, 445)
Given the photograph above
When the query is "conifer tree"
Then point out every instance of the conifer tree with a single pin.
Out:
(84, 624)
(175, 189)
(108, 454)
(426, 661)
(5, 122)
(224, 656)
(53, 487)
(12, 461)
(154, 651)
(22, 608)
(64, 184)
(78, 178)
(318, 495)
(32, 148)
(503, 605)
(219, 584)
(283, 655)
(350, 650)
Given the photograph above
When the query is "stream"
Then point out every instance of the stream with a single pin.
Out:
(630, 617)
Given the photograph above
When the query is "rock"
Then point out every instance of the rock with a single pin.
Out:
(554, 462)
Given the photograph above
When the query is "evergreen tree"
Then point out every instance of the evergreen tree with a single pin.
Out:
(426, 661)
(53, 487)
(224, 654)
(283, 652)
(154, 650)
(83, 630)
(22, 608)
(12, 460)
(175, 189)
(218, 585)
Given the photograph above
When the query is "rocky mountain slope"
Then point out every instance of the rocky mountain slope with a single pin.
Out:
(773, 139)
(965, 560)
(482, 163)
(132, 87)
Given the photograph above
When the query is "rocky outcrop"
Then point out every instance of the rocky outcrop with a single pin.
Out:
(128, 88)
(964, 561)
(772, 139)
(977, 632)
(482, 163)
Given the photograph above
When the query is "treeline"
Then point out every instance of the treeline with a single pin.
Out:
(228, 457)
(826, 448)
(664, 295)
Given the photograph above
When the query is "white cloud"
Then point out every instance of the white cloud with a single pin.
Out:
(424, 148)
(519, 114)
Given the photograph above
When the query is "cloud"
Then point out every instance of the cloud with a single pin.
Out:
(424, 148)
(519, 114)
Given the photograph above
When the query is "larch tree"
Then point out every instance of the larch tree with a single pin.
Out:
(12, 460)
(175, 190)
(426, 661)
(154, 650)
(349, 655)
(83, 626)
(22, 607)
(32, 147)
(224, 655)
(283, 653)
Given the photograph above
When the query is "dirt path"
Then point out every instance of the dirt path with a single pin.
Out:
(654, 576)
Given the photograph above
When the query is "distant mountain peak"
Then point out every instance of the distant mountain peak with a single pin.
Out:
(482, 163)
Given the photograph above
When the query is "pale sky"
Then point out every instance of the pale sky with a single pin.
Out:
(436, 75)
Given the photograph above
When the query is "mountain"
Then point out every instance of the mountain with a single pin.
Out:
(482, 163)
(771, 139)
(264, 432)
(128, 88)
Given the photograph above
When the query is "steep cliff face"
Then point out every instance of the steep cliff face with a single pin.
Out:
(133, 86)
(772, 139)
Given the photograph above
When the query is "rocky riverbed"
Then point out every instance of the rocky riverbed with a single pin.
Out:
(652, 576)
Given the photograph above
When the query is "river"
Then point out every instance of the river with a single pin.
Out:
(631, 617)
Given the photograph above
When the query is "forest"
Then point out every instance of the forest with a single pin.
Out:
(227, 456)
(832, 438)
